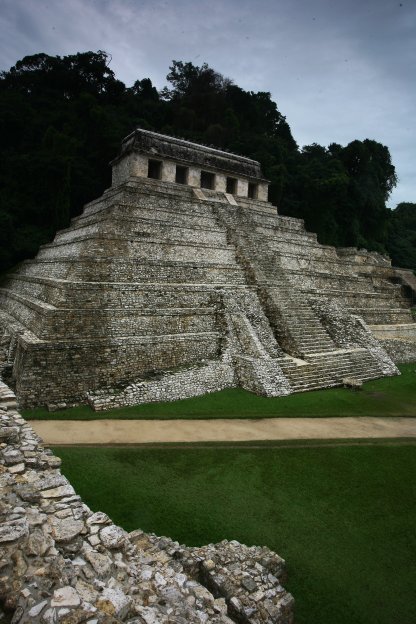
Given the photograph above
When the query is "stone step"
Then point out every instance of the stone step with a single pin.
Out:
(365, 301)
(144, 270)
(299, 329)
(316, 346)
(283, 247)
(305, 328)
(330, 360)
(302, 249)
(328, 384)
(381, 293)
(137, 228)
(276, 234)
(299, 277)
(163, 213)
(47, 321)
(70, 294)
(332, 370)
(99, 237)
(294, 261)
(155, 249)
(31, 302)
(323, 381)
(70, 324)
(149, 190)
(309, 338)
(383, 315)
(274, 220)
(335, 373)
(378, 310)
(351, 371)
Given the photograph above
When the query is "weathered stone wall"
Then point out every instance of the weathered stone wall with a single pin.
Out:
(60, 562)
(161, 146)
(143, 145)
(401, 351)
(136, 271)
(398, 340)
(168, 385)
(107, 364)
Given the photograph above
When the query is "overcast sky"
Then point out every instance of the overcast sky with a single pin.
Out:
(338, 70)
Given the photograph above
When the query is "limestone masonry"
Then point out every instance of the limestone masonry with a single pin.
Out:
(62, 563)
(183, 279)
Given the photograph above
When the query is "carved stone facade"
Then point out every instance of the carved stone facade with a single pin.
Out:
(149, 154)
(164, 288)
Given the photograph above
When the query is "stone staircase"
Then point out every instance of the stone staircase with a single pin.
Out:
(296, 326)
(313, 359)
(330, 369)
(295, 321)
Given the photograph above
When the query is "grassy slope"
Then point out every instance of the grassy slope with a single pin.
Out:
(391, 396)
(342, 517)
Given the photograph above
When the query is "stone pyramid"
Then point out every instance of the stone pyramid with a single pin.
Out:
(183, 279)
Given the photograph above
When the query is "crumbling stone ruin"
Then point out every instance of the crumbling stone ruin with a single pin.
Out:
(182, 279)
(62, 563)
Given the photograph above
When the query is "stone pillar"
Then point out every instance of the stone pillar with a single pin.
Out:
(263, 191)
(194, 177)
(220, 183)
(242, 187)
(168, 171)
(133, 164)
(138, 165)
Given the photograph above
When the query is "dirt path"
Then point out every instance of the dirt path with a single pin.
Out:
(222, 430)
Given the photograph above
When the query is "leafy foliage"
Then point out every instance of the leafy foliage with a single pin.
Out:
(402, 235)
(62, 119)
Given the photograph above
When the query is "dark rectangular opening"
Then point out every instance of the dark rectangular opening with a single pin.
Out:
(207, 180)
(252, 190)
(154, 169)
(181, 175)
(232, 186)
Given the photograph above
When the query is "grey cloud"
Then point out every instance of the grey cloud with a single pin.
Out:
(338, 69)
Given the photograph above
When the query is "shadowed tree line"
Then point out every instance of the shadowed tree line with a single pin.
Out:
(62, 119)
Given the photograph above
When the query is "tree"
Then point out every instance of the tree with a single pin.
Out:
(190, 80)
(402, 235)
(61, 120)
(372, 178)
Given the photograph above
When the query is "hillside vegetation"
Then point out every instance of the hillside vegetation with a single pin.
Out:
(62, 119)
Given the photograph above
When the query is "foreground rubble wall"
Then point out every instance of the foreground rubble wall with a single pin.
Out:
(60, 562)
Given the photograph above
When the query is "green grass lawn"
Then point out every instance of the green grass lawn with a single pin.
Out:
(342, 517)
(390, 396)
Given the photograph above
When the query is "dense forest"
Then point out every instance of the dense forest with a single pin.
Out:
(62, 120)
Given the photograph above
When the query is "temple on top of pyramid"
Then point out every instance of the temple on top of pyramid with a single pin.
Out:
(183, 279)
(148, 154)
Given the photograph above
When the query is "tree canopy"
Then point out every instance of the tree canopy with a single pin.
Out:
(402, 235)
(62, 120)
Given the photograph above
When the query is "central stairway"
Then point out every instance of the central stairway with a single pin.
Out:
(312, 358)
